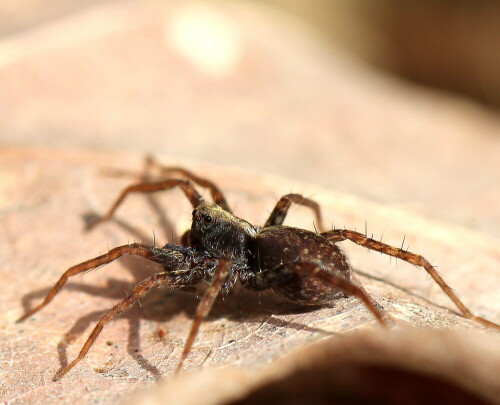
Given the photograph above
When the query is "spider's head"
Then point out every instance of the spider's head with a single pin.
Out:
(220, 233)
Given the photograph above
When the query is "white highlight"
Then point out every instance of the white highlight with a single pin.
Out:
(205, 37)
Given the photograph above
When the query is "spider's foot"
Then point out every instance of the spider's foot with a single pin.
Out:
(24, 317)
(62, 372)
(58, 375)
(31, 312)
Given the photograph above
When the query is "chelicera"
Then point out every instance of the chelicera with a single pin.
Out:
(298, 265)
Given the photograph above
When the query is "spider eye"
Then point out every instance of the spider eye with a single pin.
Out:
(207, 218)
(194, 212)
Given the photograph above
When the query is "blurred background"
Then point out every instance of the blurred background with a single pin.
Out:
(393, 101)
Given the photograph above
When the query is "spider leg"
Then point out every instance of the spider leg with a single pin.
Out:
(137, 249)
(150, 187)
(220, 276)
(139, 291)
(361, 239)
(340, 282)
(150, 162)
(215, 191)
(281, 209)
(281, 276)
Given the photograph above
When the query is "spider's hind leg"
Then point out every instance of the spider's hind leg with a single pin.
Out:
(338, 235)
(298, 282)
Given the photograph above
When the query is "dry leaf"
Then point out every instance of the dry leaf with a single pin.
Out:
(399, 366)
(45, 193)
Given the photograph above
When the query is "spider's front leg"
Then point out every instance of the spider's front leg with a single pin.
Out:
(138, 292)
(167, 183)
(170, 279)
(221, 275)
(150, 187)
(215, 191)
(338, 235)
(136, 249)
(183, 267)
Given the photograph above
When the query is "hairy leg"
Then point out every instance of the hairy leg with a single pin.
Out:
(184, 267)
(362, 240)
(139, 291)
(220, 276)
(136, 249)
(282, 277)
(150, 187)
(167, 171)
(281, 209)
(215, 191)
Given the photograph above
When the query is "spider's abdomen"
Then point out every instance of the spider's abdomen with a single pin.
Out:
(283, 248)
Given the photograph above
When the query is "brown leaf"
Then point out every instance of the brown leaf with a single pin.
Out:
(45, 193)
(404, 366)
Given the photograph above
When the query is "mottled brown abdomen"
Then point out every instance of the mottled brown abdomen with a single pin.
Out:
(286, 247)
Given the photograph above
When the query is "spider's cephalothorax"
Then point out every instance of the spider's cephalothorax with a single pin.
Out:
(298, 265)
(219, 233)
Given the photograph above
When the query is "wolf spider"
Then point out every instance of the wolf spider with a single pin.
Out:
(298, 265)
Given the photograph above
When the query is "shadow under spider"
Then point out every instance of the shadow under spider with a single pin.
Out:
(162, 307)
(133, 341)
(407, 291)
(159, 306)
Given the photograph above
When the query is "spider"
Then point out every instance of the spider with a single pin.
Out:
(298, 265)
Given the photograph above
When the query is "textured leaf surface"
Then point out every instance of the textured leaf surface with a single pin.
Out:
(44, 195)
